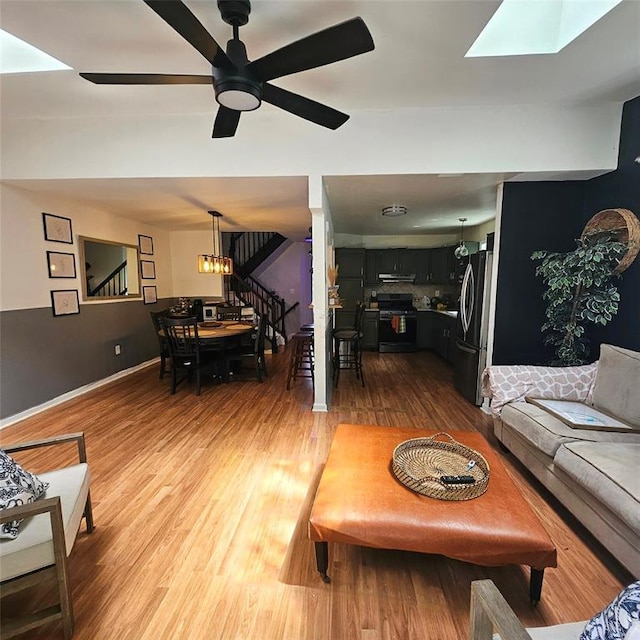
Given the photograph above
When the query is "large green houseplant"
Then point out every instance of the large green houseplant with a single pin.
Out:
(581, 289)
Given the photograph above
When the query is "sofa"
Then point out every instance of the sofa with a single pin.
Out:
(592, 472)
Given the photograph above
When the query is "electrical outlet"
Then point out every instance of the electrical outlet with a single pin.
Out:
(116, 349)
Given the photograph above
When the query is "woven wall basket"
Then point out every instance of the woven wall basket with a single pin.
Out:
(421, 462)
(625, 227)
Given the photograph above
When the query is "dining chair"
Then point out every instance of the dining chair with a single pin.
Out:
(188, 353)
(253, 349)
(230, 313)
(162, 340)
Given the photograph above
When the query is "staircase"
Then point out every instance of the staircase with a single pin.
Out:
(248, 251)
(115, 284)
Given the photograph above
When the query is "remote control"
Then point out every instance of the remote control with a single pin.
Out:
(457, 479)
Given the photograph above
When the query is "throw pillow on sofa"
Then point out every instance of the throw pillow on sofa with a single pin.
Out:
(616, 621)
(17, 487)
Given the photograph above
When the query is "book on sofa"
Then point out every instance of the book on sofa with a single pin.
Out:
(579, 415)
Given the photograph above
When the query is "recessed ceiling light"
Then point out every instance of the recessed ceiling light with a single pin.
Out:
(394, 210)
(526, 27)
(18, 56)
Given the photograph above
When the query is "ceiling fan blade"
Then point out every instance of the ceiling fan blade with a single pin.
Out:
(226, 123)
(179, 17)
(303, 107)
(145, 78)
(339, 42)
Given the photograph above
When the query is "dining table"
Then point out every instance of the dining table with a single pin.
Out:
(221, 334)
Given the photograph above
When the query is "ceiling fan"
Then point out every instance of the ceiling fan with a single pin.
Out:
(241, 85)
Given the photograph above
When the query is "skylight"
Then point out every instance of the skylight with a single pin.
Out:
(18, 56)
(526, 27)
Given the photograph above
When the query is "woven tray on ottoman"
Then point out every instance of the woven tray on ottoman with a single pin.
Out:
(422, 463)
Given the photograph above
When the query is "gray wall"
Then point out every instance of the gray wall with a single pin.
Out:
(43, 357)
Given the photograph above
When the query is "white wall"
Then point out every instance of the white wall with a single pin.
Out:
(187, 282)
(472, 139)
(24, 281)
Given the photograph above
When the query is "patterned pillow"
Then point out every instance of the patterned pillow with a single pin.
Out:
(615, 620)
(17, 487)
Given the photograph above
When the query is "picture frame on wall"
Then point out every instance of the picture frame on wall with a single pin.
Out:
(145, 244)
(65, 302)
(61, 265)
(57, 228)
(147, 269)
(150, 294)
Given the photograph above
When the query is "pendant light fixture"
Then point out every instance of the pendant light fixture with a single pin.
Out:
(461, 250)
(215, 262)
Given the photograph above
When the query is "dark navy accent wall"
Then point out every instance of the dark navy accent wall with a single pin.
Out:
(44, 357)
(550, 215)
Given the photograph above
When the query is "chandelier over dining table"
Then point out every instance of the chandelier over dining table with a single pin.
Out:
(215, 262)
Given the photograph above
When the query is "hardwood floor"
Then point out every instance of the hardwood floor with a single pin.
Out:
(201, 505)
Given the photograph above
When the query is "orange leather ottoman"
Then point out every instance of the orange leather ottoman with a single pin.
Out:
(359, 501)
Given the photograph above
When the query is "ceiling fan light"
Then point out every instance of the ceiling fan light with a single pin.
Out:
(394, 211)
(239, 96)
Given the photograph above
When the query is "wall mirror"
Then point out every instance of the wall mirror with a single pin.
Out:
(109, 269)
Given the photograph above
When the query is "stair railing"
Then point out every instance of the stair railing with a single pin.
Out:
(115, 284)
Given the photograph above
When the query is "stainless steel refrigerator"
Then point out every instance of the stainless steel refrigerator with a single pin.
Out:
(472, 327)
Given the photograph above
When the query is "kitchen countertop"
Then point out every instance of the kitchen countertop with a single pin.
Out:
(451, 314)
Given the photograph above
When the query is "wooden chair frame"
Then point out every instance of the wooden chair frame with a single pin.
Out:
(58, 571)
(490, 613)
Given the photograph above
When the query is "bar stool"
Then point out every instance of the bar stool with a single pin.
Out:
(301, 358)
(347, 349)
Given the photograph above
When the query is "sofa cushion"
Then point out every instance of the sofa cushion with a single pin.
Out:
(615, 620)
(513, 383)
(609, 472)
(547, 433)
(617, 384)
(17, 487)
(33, 548)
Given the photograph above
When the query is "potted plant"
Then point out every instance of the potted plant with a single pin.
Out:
(581, 290)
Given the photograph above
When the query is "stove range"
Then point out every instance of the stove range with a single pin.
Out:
(397, 326)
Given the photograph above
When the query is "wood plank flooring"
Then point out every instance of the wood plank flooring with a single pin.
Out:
(201, 506)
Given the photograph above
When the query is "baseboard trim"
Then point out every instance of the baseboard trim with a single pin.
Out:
(8, 421)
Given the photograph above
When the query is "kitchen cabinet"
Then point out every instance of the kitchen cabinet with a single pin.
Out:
(444, 336)
(371, 267)
(350, 263)
(442, 269)
(422, 260)
(351, 291)
(396, 261)
(370, 330)
(424, 331)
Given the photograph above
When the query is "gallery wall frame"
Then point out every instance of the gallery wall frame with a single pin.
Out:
(147, 269)
(150, 294)
(145, 244)
(61, 265)
(65, 302)
(57, 228)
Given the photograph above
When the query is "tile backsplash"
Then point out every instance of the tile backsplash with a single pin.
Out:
(450, 292)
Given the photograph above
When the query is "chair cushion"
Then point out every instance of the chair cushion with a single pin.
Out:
(33, 548)
(17, 487)
(615, 620)
(616, 387)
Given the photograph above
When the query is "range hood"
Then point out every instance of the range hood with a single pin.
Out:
(397, 277)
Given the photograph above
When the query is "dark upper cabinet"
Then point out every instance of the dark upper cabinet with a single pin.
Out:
(422, 259)
(387, 260)
(460, 264)
(371, 267)
(350, 263)
(396, 260)
(442, 269)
